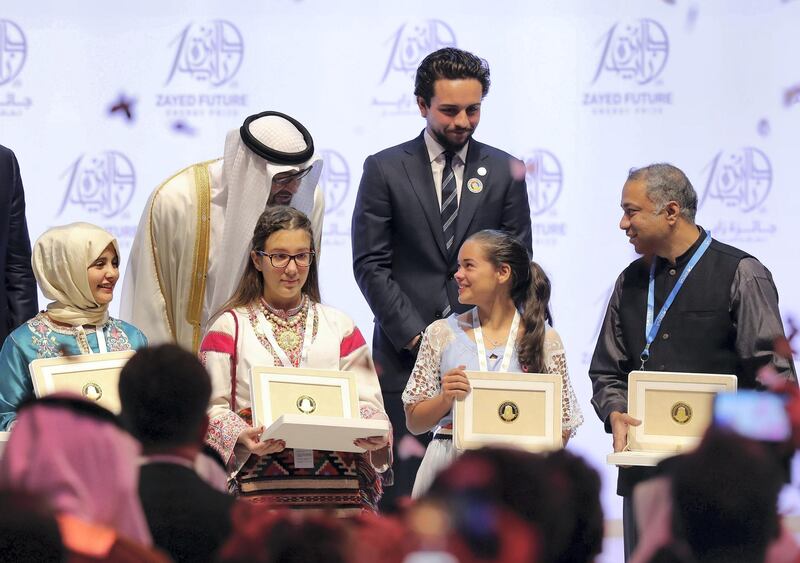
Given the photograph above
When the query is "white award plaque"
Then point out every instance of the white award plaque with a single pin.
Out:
(675, 410)
(310, 408)
(92, 376)
(328, 433)
(510, 409)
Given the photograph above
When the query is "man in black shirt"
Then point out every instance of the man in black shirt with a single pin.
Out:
(723, 319)
(164, 393)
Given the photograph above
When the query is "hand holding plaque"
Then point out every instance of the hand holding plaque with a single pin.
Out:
(620, 422)
(251, 439)
(372, 443)
(455, 384)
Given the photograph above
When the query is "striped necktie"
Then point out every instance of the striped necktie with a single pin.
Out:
(449, 200)
(449, 211)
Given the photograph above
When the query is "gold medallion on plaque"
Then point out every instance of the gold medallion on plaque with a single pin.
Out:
(288, 339)
(681, 413)
(508, 411)
(92, 391)
(306, 404)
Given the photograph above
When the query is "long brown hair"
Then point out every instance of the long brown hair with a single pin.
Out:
(530, 291)
(274, 219)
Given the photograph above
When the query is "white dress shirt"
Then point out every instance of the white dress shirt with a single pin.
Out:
(437, 158)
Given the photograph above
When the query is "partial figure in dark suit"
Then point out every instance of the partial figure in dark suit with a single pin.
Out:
(18, 300)
(417, 202)
(164, 392)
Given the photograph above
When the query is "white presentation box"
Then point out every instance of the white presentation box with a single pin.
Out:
(92, 376)
(675, 410)
(637, 459)
(522, 410)
(334, 433)
(310, 408)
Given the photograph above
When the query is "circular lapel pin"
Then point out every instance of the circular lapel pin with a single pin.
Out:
(481, 171)
(474, 185)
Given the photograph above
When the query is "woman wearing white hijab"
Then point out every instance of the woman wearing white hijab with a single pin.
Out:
(77, 267)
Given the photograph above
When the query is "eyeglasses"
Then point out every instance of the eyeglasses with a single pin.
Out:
(281, 259)
(286, 180)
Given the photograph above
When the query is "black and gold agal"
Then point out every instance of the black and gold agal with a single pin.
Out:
(92, 391)
(681, 412)
(272, 153)
(508, 411)
(306, 404)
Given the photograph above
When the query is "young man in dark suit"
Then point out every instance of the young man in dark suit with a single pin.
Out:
(18, 300)
(416, 204)
(164, 393)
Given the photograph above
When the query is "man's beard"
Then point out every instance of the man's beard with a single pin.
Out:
(281, 197)
(447, 144)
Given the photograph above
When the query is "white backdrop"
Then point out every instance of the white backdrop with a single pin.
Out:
(582, 91)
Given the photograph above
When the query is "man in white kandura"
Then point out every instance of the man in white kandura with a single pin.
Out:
(191, 245)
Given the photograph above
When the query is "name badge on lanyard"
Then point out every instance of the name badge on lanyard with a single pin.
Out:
(101, 339)
(303, 459)
(652, 326)
(512, 339)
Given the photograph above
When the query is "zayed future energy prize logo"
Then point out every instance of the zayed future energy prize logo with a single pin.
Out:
(738, 183)
(335, 184)
(410, 43)
(544, 178)
(209, 52)
(13, 54)
(632, 56)
(206, 57)
(101, 184)
(13, 51)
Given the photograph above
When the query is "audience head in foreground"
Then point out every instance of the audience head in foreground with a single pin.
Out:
(75, 454)
(164, 393)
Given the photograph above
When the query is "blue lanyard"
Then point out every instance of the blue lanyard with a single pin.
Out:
(651, 328)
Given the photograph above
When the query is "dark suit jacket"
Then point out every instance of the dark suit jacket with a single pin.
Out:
(18, 300)
(399, 255)
(188, 518)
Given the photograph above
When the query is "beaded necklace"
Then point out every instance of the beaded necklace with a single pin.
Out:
(288, 330)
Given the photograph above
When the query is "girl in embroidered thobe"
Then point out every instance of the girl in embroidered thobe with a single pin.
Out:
(506, 331)
(77, 266)
(275, 318)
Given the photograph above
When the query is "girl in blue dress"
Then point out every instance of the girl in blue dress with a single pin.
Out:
(77, 267)
(507, 330)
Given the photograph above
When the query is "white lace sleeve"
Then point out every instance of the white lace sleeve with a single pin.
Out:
(556, 363)
(425, 381)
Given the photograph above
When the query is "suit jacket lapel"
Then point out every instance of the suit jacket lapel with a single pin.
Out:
(470, 201)
(418, 167)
